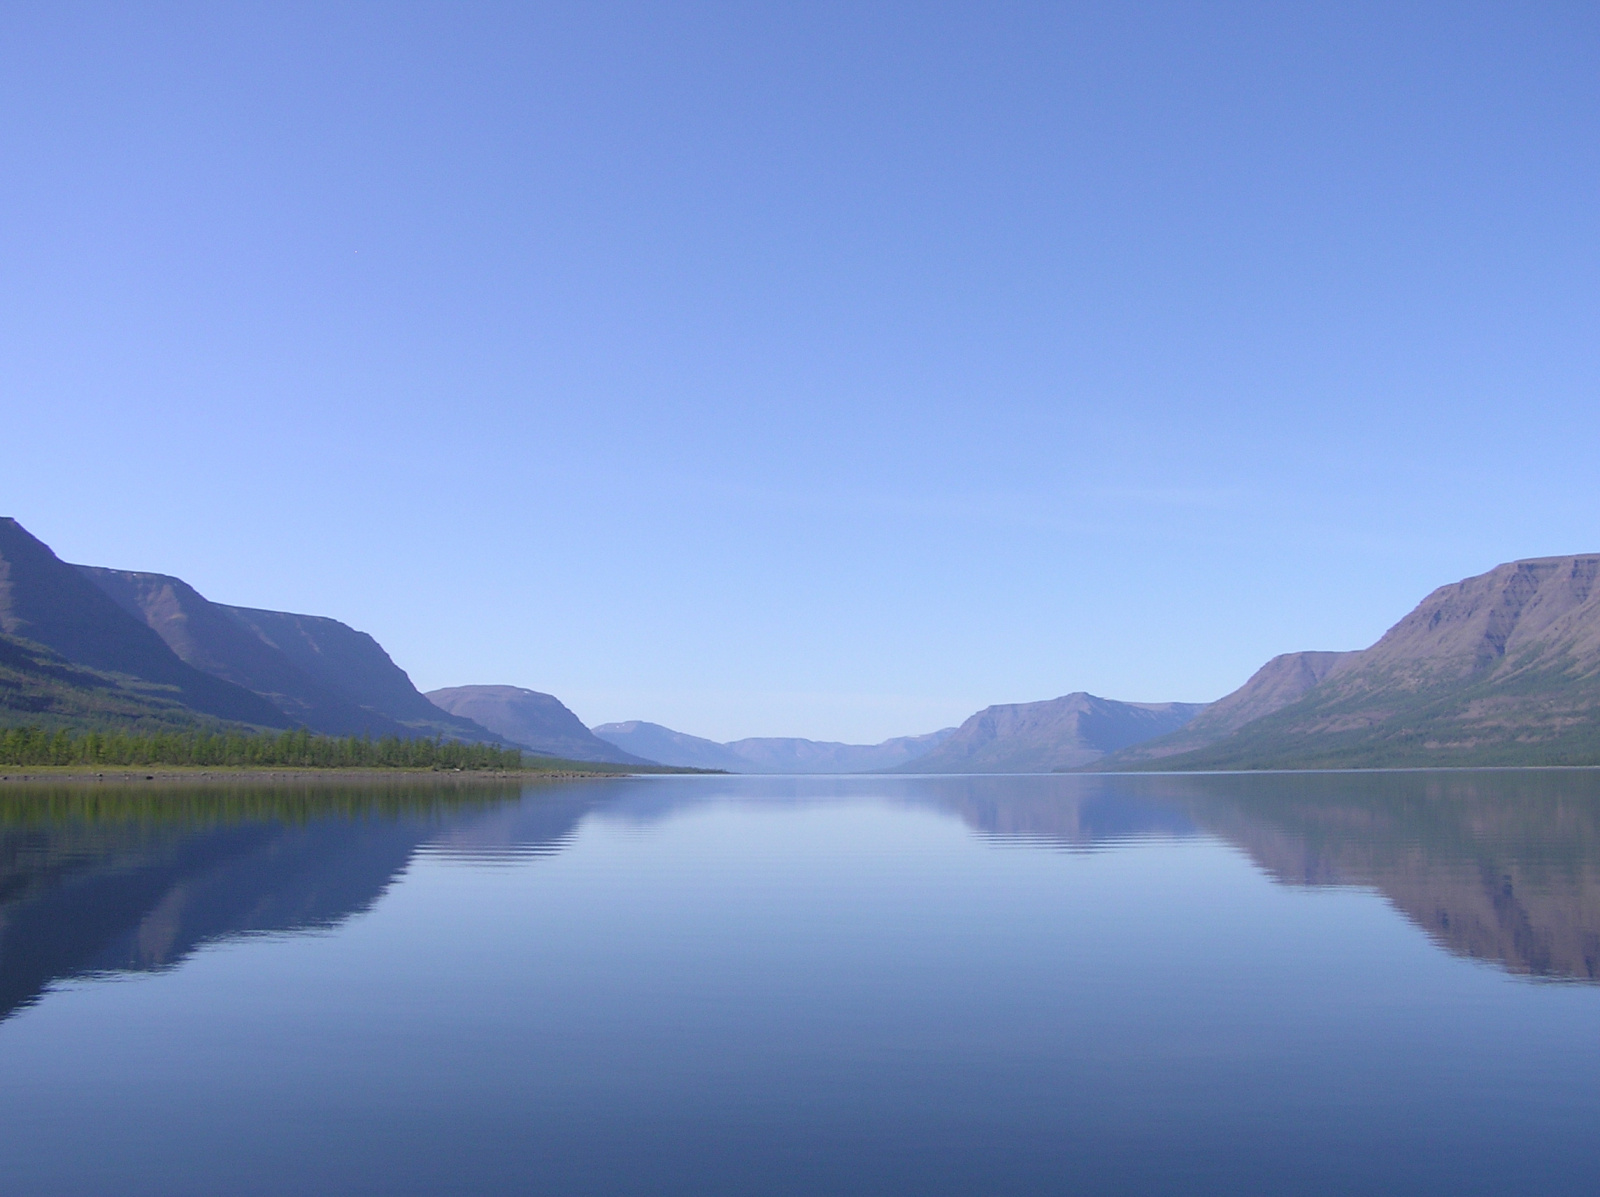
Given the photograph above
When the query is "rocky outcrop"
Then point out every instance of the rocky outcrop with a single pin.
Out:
(50, 603)
(1498, 669)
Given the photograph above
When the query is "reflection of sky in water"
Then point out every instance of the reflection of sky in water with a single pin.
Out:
(815, 985)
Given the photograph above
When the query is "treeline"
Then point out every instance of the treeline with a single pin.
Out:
(291, 749)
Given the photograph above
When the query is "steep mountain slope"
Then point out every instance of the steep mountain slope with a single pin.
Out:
(1285, 679)
(1501, 668)
(354, 666)
(534, 720)
(1040, 737)
(765, 754)
(41, 688)
(47, 601)
(214, 640)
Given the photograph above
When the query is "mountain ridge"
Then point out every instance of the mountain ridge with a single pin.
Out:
(764, 754)
(1057, 734)
(1501, 668)
(535, 720)
(50, 603)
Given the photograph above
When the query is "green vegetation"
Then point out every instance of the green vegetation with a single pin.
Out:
(38, 686)
(1534, 718)
(232, 749)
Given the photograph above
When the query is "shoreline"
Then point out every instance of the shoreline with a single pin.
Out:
(172, 773)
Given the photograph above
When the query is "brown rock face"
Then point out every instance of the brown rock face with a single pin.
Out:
(1516, 618)
(47, 601)
(1498, 669)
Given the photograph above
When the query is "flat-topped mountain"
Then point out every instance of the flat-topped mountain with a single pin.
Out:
(209, 637)
(534, 720)
(85, 646)
(50, 603)
(1042, 737)
(353, 664)
(1501, 668)
(315, 671)
(765, 754)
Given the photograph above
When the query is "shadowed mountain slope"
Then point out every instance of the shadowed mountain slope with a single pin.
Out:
(1040, 737)
(355, 667)
(47, 601)
(534, 720)
(214, 640)
(1498, 669)
(765, 754)
(39, 687)
(1285, 679)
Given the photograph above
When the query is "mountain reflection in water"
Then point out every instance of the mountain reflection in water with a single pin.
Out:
(1501, 866)
(1497, 866)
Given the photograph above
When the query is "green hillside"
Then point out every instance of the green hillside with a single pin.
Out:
(40, 688)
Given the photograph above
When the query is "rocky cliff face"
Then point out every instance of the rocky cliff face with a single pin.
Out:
(48, 602)
(1041, 737)
(211, 638)
(1502, 668)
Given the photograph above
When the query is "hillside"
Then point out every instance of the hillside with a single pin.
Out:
(354, 666)
(536, 721)
(765, 754)
(48, 602)
(1281, 681)
(40, 688)
(212, 639)
(1498, 669)
(656, 743)
(1041, 737)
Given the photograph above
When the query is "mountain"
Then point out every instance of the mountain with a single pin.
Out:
(762, 754)
(40, 687)
(1041, 737)
(668, 747)
(48, 602)
(536, 721)
(210, 637)
(1283, 680)
(1498, 669)
(778, 755)
(355, 667)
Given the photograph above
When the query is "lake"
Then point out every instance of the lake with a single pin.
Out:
(1299, 984)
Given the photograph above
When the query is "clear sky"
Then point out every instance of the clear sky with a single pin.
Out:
(806, 369)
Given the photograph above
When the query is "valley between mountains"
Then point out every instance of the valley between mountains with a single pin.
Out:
(1498, 669)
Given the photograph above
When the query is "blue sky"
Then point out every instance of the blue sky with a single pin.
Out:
(826, 370)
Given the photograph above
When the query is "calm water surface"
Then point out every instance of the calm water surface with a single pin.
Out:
(1380, 983)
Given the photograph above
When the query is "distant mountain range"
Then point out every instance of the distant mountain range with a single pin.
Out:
(1045, 737)
(1498, 669)
(761, 754)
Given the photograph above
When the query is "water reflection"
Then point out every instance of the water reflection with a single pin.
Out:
(1501, 867)
(97, 879)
